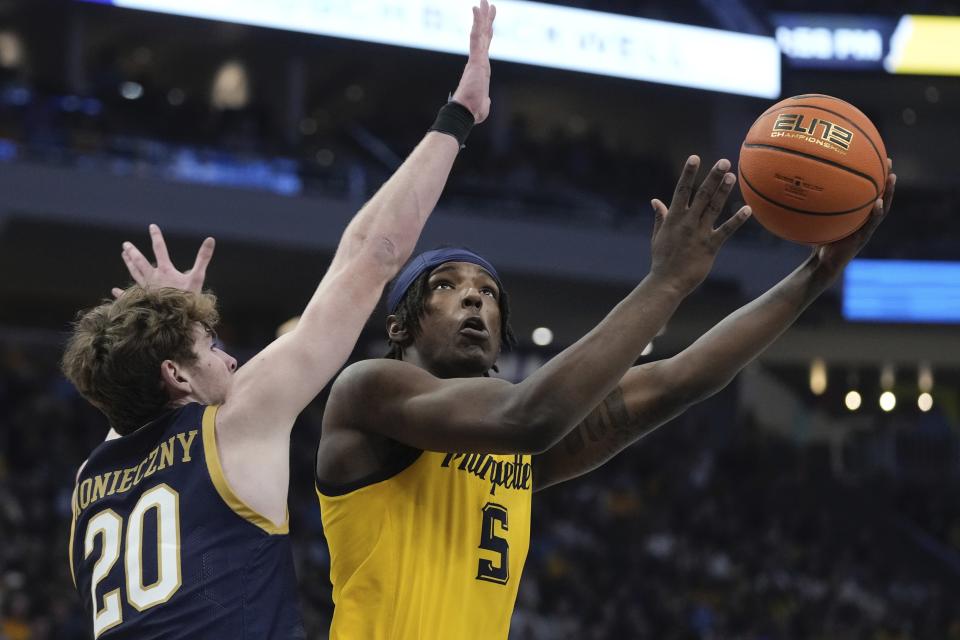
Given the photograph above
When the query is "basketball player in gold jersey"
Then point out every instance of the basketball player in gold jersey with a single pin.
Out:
(426, 466)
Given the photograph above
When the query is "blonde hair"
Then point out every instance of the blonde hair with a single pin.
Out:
(114, 353)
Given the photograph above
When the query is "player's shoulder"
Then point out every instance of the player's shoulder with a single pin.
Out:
(374, 374)
(371, 384)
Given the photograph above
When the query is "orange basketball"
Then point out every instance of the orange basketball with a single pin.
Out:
(811, 168)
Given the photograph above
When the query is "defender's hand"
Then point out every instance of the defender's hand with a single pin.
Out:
(835, 256)
(685, 242)
(473, 92)
(165, 274)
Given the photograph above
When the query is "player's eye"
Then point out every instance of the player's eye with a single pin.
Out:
(489, 292)
(442, 284)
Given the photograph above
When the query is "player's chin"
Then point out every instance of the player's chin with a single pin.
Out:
(475, 358)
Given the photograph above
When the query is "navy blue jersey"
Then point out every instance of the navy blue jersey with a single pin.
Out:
(160, 547)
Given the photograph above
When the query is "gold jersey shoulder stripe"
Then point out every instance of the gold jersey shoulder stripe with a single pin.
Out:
(220, 481)
(73, 530)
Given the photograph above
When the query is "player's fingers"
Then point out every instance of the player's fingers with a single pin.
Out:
(864, 233)
(476, 39)
(876, 217)
(681, 195)
(709, 187)
(659, 208)
(132, 268)
(199, 271)
(493, 14)
(117, 292)
(888, 192)
(659, 214)
(137, 264)
(712, 211)
(728, 228)
(159, 246)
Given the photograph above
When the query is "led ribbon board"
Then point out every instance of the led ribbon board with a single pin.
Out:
(911, 44)
(833, 41)
(902, 291)
(526, 32)
(925, 45)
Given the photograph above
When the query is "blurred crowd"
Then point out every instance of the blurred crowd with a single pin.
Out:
(571, 176)
(709, 528)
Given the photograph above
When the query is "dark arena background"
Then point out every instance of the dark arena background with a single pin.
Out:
(817, 497)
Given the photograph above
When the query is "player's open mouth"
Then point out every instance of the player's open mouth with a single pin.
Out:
(474, 328)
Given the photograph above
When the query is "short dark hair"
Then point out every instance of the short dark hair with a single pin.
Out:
(413, 306)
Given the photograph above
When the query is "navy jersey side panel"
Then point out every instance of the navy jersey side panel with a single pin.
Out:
(162, 548)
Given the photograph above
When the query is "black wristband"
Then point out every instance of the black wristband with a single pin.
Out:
(455, 120)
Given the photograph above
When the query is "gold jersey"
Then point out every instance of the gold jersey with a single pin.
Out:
(434, 551)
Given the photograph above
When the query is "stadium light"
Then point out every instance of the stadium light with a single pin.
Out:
(925, 402)
(853, 400)
(11, 50)
(131, 90)
(231, 87)
(818, 376)
(888, 401)
(542, 336)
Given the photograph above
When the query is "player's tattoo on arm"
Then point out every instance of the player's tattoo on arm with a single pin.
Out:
(608, 430)
(608, 425)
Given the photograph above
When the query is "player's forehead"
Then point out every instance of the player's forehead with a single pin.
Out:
(202, 333)
(462, 270)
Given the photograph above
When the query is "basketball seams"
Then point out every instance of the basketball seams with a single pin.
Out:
(746, 181)
(810, 156)
(883, 161)
(805, 96)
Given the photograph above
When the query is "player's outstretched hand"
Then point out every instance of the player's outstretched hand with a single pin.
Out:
(164, 274)
(473, 92)
(685, 241)
(835, 256)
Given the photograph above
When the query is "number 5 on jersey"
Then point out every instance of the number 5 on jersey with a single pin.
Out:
(108, 525)
(494, 517)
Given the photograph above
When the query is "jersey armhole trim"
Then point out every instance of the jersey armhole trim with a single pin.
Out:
(220, 483)
(395, 466)
(73, 530)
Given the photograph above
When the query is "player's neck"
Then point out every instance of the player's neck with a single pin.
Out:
(411, 355)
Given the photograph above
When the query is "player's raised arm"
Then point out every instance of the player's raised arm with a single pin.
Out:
(651, 394)
(254, 422)
(277, 384)
(487, 415)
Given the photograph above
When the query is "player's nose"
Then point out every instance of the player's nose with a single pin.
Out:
(472, 298)
(231, 363)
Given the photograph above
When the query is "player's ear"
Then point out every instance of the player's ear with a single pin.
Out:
(396, 331)
(173, 380)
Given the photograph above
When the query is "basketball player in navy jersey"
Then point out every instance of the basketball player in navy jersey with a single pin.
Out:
(180, 522)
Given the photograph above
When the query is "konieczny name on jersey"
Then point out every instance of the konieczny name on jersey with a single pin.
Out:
(173, 450)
